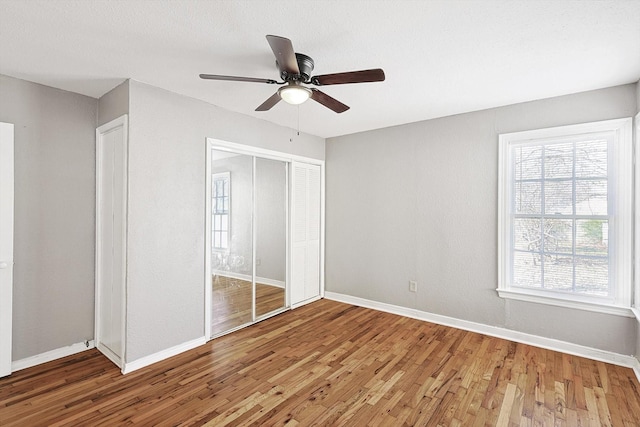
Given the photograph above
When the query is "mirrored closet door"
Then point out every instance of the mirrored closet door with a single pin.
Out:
(271, 235)
(248, 217)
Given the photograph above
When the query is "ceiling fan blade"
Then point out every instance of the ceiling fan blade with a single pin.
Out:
(236, 79)
(327, 101)
(266, 105)
(363, 76)
(285, 55)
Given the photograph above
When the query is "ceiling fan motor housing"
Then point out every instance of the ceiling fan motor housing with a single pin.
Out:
(305, 65)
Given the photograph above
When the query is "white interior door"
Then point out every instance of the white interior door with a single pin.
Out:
(6, 245)
(111, 188)
(305, 232)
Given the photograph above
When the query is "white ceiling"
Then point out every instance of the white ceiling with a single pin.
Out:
(440, 57)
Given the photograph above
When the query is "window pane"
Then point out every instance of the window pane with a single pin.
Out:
(527, 270)
(224, 222)
(224, 240)
(528, 162)
(591, 197)
(216, 239)
(527, 234)
(216, 222)
(558, 160)
(592, 276)
(558, 272)
(558, 235)
(592, 237)
(591, 159)
(558, 197)
(528, 197)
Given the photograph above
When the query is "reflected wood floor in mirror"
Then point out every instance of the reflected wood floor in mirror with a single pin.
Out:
(231, 305)
(331, 364)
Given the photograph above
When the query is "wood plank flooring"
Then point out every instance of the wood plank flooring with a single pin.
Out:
(330, 364)
(231, 302)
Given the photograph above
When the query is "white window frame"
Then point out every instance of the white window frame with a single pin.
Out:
(620, 175)
(216, 177)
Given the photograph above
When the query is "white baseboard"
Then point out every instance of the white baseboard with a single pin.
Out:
(494, 331)
(247, 278)
(51, 355)
(106, 351)
(305, 302)
(162, 355)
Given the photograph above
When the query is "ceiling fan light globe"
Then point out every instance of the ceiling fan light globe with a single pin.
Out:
(294, 95)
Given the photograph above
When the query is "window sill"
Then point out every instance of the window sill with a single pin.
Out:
(567, 303)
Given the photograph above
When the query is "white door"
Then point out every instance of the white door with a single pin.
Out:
(305, 232)
(111, 190)
(6, 245)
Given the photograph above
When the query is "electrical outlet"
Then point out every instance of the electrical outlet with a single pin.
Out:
(413, 286)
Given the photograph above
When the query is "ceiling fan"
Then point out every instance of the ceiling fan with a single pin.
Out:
(295, 69)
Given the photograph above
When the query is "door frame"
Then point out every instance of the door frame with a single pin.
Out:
(6, 244)
(232, 147)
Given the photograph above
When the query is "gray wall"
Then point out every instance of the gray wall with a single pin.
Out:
(114, 103)
(167, 206)
(53, 302)
(419, 202)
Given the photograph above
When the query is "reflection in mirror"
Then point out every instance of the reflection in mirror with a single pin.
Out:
(231, 240)
(271, 220)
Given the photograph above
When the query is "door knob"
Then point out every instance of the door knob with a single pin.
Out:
(3, 265)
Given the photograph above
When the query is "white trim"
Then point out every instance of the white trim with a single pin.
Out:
(6, 244)
(307, 301)
(109, 354)
(207, 243)
(494, 331)
(621, 224)
(234, 147)
(636, 167)
(567, 302)
(254, 238)
(48, 356)
(162, 355)
(322, 229)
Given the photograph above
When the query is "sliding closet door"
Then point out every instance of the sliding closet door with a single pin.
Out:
(231, 240)
(271, 235)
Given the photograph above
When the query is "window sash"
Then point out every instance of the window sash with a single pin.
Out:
(618, 215)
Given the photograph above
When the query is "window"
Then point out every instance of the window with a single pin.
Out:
(221, 203)
(565, 232)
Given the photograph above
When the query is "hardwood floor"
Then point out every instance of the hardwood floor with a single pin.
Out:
(329, 363)
(232, 302)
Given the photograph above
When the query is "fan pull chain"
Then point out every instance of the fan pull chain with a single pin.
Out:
(297, 130)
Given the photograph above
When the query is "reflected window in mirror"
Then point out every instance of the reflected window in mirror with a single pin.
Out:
(221, 204)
